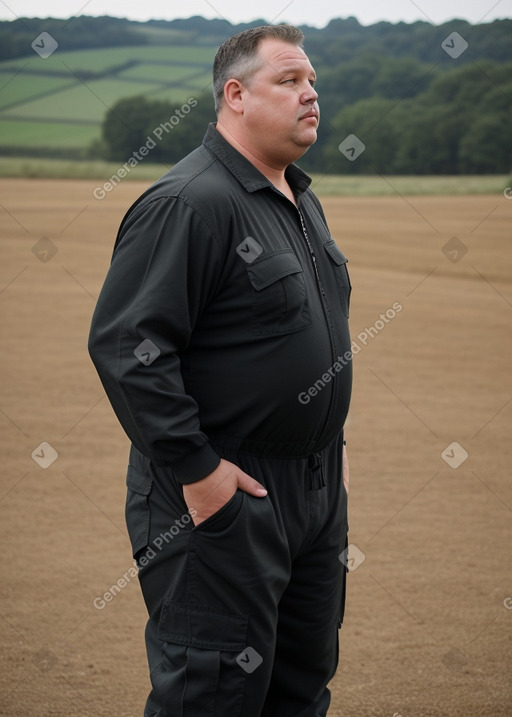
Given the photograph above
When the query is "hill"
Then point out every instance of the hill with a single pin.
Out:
(59, 79)
(59, 103)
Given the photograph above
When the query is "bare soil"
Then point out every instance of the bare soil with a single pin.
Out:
(428, 620)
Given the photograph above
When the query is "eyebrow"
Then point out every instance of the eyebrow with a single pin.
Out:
(297, 69)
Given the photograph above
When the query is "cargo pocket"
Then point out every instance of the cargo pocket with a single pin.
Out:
(199, 673)
(137, 511)
(279, 303)
(340, 262)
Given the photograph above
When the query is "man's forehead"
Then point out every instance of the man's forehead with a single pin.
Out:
(282, 54)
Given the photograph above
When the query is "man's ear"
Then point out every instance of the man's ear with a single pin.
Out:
(233, 95)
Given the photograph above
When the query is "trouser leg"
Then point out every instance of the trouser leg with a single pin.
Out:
(311, 607)
(212, 593)
(243, 608)
(306, 653)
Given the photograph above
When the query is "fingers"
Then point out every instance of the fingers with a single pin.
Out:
(250, 485)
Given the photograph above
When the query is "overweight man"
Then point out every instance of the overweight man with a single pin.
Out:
(221, 338)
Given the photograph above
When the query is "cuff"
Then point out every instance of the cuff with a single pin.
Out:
(197, 465)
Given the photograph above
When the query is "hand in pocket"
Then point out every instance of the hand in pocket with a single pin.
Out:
(208, 495)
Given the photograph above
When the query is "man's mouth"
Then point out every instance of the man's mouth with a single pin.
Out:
(311, 114)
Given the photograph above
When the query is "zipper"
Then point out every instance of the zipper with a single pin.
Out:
(311, 250)
(326, 312)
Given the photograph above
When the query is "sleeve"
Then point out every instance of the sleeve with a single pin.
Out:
(163, 272)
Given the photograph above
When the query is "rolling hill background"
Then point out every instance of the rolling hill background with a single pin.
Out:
(416, 106)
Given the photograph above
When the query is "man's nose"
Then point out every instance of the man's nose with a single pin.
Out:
(309, 95)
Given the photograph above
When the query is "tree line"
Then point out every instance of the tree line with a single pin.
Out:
(341, 40)
(80, 33)
(411, 118)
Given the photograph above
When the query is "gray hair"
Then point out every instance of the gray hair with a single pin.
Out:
(238, 58)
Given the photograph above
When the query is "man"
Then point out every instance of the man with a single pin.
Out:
(222, 340)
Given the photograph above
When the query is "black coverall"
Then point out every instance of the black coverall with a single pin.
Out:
(222, 331)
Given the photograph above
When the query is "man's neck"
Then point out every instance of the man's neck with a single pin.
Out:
(274, 175)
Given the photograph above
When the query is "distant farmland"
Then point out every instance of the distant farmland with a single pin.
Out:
(60, 102)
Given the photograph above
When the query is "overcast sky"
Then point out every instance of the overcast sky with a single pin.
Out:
(299, 12)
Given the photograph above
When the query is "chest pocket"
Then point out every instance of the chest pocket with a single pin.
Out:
(339, 261)
(279, 301)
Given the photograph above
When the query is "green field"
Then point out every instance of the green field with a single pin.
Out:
(60, 101)
(102, 59)
(47, 134)
(159, 74)
(25, 88)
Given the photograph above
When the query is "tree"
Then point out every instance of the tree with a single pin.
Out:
(486, 147)
(124, 128)
(429, 140)
(487, 144)
(375, 122)
(171, 129)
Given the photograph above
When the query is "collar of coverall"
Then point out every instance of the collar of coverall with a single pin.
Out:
(246, 173)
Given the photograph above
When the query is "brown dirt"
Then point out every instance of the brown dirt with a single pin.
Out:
(427, 631)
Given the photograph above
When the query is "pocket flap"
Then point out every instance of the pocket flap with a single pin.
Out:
(197, 626)
(137, 481)
(335, 253)
(272, 267)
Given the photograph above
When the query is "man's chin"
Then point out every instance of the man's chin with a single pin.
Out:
(300, 145)
(307, 141)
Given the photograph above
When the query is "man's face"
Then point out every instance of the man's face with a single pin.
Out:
(280, 111)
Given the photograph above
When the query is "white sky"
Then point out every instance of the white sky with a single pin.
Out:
(298, 12)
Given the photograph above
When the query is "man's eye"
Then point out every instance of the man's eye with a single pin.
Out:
(312, 83)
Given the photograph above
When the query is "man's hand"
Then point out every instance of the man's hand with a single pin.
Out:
(346, 474)
(206, 496)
